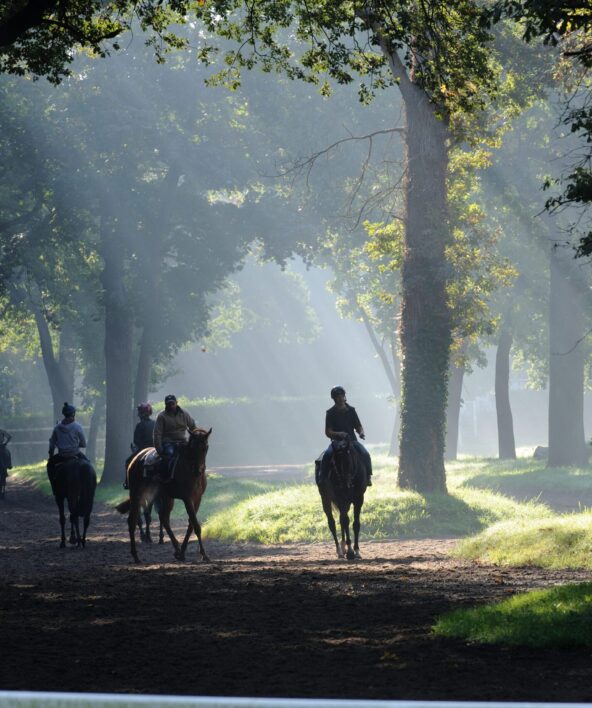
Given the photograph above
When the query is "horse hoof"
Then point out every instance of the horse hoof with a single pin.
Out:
(179, 556)
(205, 558)
(350, 555)
(161, 542)
(357, 555)
(63, 544)
(136, 559)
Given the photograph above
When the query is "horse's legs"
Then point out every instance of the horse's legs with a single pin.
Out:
(132, 520)
(60, 503)
(344, 521)
(164, 515)
(193, 522)
(147, 538)
(357, 509)
(331, 521)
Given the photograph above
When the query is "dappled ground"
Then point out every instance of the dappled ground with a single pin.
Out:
(257, 621)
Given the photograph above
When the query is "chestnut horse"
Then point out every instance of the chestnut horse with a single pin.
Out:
(346, 485)
(74, 480)
(188, 484)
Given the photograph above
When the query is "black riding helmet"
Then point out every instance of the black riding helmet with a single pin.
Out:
(68, 411)
(337, 391)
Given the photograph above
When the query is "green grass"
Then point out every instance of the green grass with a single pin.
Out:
(556, 542)
(561, 616)
(294, 513)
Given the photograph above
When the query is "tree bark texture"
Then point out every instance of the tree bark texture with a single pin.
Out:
(151, 268)
(93, 430)
(59, 369)
(503, 409)
(567, 443)
(118, 352)
(455, 382)
(425, 318)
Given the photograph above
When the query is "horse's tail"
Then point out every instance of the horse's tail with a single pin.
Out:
(124, 507)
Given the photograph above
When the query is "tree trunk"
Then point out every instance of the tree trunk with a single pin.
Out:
(118, 352)
(503, 409)
(425, 319)
(567, 443)
(392, 373)
(151, 260)
(455, 382)
(93, 431)
(60, 372)
(144, 370)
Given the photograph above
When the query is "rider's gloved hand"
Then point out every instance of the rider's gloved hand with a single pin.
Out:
(363, 436)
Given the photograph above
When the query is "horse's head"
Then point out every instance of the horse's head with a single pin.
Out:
(197, 447)
(344, 461)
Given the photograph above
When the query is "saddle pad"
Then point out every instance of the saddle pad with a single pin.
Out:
(151, 459)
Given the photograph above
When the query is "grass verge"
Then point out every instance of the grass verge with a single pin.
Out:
(557, 617)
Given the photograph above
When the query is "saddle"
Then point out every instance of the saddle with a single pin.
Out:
(154, 465)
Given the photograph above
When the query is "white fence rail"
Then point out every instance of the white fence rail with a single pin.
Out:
(30, 699)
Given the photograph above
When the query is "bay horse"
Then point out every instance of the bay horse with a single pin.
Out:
(188, 484)
(74, 480)
(346, 485)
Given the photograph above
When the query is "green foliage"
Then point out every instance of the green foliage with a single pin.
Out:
(559, 617)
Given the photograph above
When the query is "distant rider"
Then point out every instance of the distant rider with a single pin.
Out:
(68, 437)
(170, 431)
(341, 422)
(143, 434)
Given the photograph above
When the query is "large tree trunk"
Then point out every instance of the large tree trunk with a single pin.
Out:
(567, 443)
(118, 352)
(93, 430)
(455, 382)
(425, 329)
(505, 422)
(151, 261)
(60, 369)
(425, 319)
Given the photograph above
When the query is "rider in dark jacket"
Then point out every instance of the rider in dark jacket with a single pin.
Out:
(341, 421)
(143, 434)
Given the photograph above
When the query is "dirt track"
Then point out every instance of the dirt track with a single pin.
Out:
(257, 621)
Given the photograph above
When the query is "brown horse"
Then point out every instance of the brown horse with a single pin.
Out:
(188, 484)
(74, 480)
(345, 486)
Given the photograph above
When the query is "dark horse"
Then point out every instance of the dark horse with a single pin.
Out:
(188, 484)
(346, 485)
(75, 480)
(5, 465)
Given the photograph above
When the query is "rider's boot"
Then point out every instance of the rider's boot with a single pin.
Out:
(163, 474)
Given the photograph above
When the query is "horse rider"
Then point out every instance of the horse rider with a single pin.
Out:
(68, 437)
(143, 434)
(5, 437)
(170, 431)
(342, 422)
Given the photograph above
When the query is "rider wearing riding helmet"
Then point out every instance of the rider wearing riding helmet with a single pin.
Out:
(143, 435)
(68, 437)
(144, 431)
(170, 430)
(342, 422)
